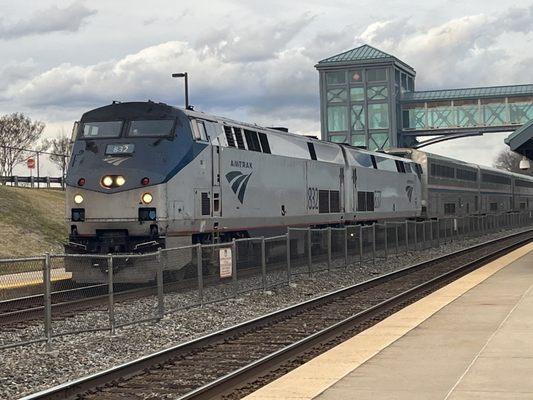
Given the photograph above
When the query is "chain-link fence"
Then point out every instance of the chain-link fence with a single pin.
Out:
(32, 168)
(39, 301)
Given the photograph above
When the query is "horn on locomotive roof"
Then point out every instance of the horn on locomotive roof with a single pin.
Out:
(186, 76)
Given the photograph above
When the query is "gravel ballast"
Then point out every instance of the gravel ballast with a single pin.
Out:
(30, 368)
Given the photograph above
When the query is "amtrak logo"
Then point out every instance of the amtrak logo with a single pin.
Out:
(238, 182)
(409, 191)
(115, 160)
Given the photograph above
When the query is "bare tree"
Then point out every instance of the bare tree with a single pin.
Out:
(59, 149)
(510, 161)
(17, 132)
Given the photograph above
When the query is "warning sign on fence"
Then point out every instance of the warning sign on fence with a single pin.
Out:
(226, 262)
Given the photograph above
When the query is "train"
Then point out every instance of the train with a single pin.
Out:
(145, 175)
(453, 188)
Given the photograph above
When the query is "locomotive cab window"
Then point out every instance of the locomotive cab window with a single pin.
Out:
(103, 129)
(199, 130)
(151, 128)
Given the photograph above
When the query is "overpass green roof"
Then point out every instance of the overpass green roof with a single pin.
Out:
(469, 93)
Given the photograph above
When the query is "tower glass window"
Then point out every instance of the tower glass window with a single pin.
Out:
(337, 118)
(337, 95)
(358, 140)
(357, 93)
(376, 74)
(378, 116)
(357, 117)
(338, 138)
(336, 77)
(380, 92)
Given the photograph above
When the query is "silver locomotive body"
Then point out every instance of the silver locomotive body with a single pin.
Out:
(212, 179)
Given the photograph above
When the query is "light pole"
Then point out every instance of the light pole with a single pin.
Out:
(184, 75)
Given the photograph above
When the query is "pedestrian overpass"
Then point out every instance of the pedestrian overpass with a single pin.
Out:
(368, 98)
(450, 114)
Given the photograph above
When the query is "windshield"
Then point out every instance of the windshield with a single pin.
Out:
(154, 127)
(107, 129)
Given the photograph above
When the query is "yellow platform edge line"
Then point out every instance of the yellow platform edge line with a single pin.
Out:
(34, 282)
(312, 378)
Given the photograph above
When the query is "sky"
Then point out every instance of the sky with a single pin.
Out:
(249, 60)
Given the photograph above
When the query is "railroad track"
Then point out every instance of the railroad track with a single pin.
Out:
(67, 302)
(235, 361)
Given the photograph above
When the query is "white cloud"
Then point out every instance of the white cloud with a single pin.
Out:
(262, 69)
(287, 81)
(465, 51)
(53, 19)
(251, 41)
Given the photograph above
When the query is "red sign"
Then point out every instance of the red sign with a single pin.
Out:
(30, 162)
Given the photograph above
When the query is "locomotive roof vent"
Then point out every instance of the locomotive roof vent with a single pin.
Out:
(279, 128)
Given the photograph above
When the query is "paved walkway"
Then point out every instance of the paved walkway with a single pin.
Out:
(472, 339)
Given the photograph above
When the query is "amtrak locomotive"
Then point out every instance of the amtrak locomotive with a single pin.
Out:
(146, 175)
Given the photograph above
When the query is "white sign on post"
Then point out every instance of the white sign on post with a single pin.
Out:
(226, 262)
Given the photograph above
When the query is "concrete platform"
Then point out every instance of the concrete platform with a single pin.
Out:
(12, 281)
(472, 339)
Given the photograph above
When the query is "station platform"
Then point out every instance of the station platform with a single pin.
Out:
(472, 339)
(14, 281)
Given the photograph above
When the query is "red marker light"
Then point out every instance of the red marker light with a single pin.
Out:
(81, 182)
(145, 181)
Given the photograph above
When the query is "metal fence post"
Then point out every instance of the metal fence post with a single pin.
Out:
(160, 298)
(200, 273)
(288, 239)
(329, 247)
(406, 237)
(416, 235)
(374, 244)
(309, 260)
(47, 301)
(110, 290)
(345, 247)
(263, 263)
(438, 233)
(397, 240)
(386, 241)
(361, 245)
(234, 266)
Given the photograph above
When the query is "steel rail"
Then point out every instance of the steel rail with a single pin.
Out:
(223, 384)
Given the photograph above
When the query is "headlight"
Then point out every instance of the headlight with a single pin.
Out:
(147, 198)
(78, 199)
(107, 181)
(119, 180)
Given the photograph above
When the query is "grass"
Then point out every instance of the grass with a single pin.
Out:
(31, 221)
